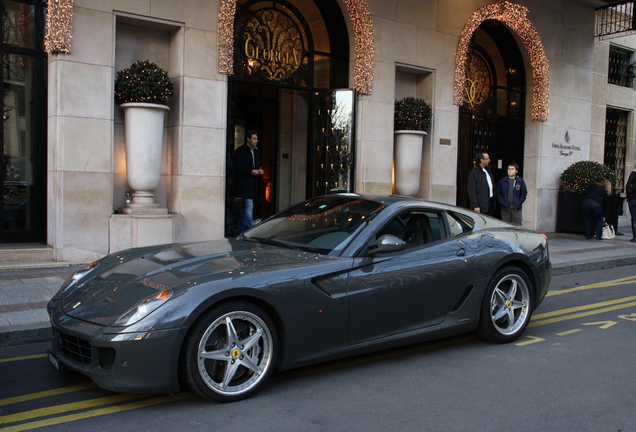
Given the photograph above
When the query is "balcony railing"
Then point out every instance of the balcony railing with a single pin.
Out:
(615, 20)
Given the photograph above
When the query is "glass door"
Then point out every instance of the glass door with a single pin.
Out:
(23, 167)
(331, 156)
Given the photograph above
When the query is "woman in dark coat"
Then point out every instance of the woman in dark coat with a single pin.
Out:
(594, 205)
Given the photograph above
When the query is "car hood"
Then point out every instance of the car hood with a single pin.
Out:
(124, 279)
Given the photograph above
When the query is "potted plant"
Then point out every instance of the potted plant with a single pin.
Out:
(576, 179)
(142, 91)
(412, 114)
(412, 118)
(580, 174)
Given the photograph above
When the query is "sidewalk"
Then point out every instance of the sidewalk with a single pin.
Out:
(24, 293)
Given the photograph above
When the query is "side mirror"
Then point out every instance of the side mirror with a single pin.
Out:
(387, 243)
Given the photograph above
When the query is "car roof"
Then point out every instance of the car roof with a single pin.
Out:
(389, 200)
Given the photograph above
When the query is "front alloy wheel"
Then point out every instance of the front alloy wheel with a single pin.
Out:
(506, 307)
(230, 353)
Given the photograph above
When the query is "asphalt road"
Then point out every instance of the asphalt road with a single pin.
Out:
(572, 370)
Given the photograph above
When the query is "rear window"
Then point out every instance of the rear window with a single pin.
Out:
(459, 223)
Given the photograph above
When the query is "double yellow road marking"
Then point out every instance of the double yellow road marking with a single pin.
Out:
(27, 420)
(64, 413)
(582, 311)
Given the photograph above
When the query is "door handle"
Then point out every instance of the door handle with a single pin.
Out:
(461, 252)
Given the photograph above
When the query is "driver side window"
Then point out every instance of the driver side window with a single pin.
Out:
(415, 228)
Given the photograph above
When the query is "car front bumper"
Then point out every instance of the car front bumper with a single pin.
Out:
(143, 362)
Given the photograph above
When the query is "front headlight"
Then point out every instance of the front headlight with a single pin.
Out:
(143, 309)
(75, 278)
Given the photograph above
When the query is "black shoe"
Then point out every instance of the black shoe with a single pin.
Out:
(599, 238)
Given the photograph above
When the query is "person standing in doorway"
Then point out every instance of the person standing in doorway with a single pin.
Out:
(511, 193)
(481, 186)
(247, 174)
(630, 190)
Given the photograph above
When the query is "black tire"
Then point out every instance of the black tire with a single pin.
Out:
(506, 307)
(230, 352)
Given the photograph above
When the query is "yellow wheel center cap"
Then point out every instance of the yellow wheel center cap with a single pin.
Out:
(236, 353)
(508, 304)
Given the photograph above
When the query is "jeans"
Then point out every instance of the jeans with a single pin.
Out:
(513, 217)
(632, 208)
(593, 213)
(247, 215)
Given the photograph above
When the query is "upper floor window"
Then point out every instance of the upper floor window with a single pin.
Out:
(620, 72)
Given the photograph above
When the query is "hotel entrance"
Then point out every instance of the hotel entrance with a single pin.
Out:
(285, 70)
(493, 111)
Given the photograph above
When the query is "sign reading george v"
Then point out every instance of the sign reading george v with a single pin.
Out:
(272, 45)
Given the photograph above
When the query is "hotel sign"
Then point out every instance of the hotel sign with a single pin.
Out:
(272, 45)
(566, 149)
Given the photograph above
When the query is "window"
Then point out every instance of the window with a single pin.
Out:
(616, 143)
(620, 72)
(459, 224)
(415, 228)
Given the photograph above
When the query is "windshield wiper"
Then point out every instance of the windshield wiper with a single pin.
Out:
(270, 241)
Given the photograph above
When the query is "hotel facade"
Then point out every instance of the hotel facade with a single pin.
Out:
(529, 82)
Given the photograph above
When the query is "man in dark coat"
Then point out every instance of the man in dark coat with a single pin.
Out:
(247, 173)
(481, 186)
(630, 189)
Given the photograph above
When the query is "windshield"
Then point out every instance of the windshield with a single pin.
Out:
(323, 225)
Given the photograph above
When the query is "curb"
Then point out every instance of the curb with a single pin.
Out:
(21, 337)
(592, 265)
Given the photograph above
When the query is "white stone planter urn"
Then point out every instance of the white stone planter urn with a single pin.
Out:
(407, 161)
(143, 127)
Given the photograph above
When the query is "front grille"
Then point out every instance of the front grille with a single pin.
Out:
(75, 348)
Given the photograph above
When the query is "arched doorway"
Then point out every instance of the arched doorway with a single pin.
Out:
(492, 115)
(290, 56)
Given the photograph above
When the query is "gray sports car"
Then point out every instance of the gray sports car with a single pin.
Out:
(330, 277)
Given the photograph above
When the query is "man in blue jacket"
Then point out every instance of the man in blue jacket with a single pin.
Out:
(511, 193)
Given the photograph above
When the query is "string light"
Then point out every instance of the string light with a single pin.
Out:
(515, 17)
(363, 35)
(59, 26)
(364, 45)
(226, 37)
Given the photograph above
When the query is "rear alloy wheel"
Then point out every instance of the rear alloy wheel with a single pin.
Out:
(230, 352)
(506, 308)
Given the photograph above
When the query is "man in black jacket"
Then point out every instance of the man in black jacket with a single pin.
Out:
(481, 186)
(247, 173)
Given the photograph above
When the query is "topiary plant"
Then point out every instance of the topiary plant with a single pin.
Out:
(580, 174)
(412, 114)
(144, 81)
